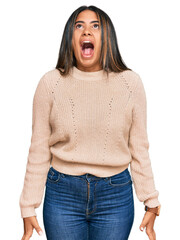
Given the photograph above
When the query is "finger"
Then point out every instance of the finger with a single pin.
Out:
(151, 233)
(148, 218)
(37, 227)
(143, 223)
(28, 235)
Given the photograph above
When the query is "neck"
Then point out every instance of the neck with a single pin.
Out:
(84, 75)
(89, 69)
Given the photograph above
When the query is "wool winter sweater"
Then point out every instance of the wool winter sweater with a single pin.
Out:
(88, 122)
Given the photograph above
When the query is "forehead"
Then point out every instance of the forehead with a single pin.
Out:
(87, 15)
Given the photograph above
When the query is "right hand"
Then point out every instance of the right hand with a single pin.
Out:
(29, 224)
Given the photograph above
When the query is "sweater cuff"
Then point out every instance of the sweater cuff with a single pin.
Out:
(151, 203)
(28, 212)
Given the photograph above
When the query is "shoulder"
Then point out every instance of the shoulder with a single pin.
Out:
(130, 78)
(50, 79)
(52, 75)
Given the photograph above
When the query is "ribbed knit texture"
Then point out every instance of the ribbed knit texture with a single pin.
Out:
(88, 123)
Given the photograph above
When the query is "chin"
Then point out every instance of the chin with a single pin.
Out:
(87, 64)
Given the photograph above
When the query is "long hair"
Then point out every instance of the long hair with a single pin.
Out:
(110, 57)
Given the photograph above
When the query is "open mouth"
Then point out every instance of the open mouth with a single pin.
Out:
(87, 49)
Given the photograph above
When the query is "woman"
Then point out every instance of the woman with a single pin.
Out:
(89, 124)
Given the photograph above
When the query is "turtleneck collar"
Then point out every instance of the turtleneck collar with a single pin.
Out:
(82, 75)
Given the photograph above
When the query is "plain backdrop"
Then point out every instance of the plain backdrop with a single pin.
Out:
(148, 39)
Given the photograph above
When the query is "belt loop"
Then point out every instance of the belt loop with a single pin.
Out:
(62, 174)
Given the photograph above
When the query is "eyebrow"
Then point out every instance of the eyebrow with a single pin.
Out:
(83, 21)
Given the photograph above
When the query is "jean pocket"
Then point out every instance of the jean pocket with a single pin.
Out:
(53, 176)
(120, 179)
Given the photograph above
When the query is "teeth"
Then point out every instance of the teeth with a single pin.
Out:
(86, 41)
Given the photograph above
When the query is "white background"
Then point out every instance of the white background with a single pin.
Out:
(147, 33)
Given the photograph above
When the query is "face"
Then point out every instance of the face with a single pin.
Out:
(87, 28)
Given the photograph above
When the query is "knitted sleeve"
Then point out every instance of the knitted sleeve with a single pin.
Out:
(140, 165)
(38, 161)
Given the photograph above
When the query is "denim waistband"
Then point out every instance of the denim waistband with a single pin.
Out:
(88, 175)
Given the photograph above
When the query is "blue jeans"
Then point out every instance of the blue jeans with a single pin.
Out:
(87, 207)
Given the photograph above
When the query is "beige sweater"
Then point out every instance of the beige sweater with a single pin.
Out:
(88, 123)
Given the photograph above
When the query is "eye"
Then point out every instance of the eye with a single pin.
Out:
(96, 25)
(78, 25)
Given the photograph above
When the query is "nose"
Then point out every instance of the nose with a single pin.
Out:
(86, 31)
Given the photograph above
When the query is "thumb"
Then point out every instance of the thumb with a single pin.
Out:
(37, 227)
(143, 223)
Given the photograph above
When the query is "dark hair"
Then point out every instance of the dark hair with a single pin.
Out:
(110, 58)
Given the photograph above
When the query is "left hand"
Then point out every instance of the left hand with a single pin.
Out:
(148, 222)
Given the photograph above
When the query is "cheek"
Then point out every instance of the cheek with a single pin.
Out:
(98, 43)
(98, 46)
(75, 44)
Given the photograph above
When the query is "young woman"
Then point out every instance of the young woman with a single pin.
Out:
(89, 125)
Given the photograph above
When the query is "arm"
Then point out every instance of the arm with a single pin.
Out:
(140, 165)
(39, 156)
